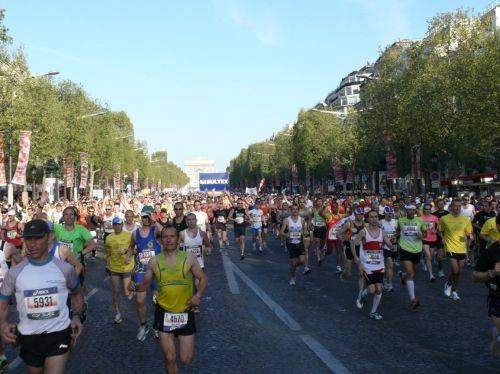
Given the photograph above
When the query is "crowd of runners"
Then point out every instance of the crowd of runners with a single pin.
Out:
(154, 249)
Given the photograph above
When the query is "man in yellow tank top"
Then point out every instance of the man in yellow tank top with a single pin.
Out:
(174, 272)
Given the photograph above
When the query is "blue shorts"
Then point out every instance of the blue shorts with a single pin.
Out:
(138, 279)
(256, 231)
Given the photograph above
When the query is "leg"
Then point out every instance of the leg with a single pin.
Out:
(167, 345)
(293, 267)
(452, 279)
(34, 370)
(141, 307)
(377, 291)
(186, 349)
(389, 271)
(428, 259)
(115, 283)
(126, 281)
(56, 364)
(307, 244)
(410, 273)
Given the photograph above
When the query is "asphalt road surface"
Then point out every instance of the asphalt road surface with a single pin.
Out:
(252, 321)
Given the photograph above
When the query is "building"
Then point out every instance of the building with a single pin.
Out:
(196, 165)
(346, 95)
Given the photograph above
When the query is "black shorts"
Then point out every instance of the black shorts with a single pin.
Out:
(189, 329)
(127, 274)
(239, 231)
(390, 254)
(409, 256)
(348, 252)
(432, 244)
(319, 232)
(220, 226)
(295, 250)
(374, 278)
(493, 307)
(36, 348)
(457, 256)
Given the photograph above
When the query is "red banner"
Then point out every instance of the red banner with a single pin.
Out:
(68, 167)
(391, 162)
(22, 161)
(295, 175)
(117, 182)
(3, 179)
(106, 181)
(136, 179)
(84, 171)
(416, 162)
(261, 184)
(338, 173)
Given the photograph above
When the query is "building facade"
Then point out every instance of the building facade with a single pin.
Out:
(194, 166)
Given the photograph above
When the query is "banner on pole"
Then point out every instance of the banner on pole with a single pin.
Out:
(338, 173)
(214, 181)
(136, 179)
(84, 171)
(117, 182)
(3, 179)
(68, 167)
(22, 161)
(261, 184)
(391, 163)
(416, 161)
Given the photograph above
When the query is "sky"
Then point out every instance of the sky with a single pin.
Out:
(207, 78)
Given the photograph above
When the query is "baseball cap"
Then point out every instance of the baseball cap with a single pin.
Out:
(36, 229)
(11, 212)
(388, 210)
(117, 221)
(359, 211)
(410, 206)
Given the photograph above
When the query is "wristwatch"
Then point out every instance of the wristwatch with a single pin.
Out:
(491, 274)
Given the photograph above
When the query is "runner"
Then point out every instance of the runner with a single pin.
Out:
(430, 238)
(371, 261)
(255, 214)
(351, 228)
(194, 240)
(130, 225)
(293, 228)
(42, 284)
(410, 231)
(456, 230)
(487, 270)
(120, 264)
(145, 246)
(238, 216)
(305, 214)
(173, 271)
(318, 220)
(440, 212)
(201, 219)
(283, 214)
(221, 216)
(333, 241)
(179, 220)
(489, 231)
(389, 225)
(13, 230)
(92, 223)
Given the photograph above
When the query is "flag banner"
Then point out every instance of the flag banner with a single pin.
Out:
(416, 162)
(117, 182)
(106, 181)
(136, 179)
(22, 161)
(295, 174)
(84, 170)
(68, 167)
(213, 181)
(3, 179)
(261, 184)
(338, 173)
(391, 163)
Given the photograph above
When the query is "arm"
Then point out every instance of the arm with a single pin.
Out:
(200, 275)
(284, 227)
(388, 242)
(206, 240)
(146, 281)
(71, 259)
(357, 241)
(5, 328)
(90, 245)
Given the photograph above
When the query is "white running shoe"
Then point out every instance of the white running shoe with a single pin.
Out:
(441, 274)
(118, 319)
(143, 331)
(292, 282)
(447, 289)
(454, 296)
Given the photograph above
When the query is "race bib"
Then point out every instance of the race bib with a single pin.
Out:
(145, 256)
(67, 245)
(332, 233)
(41, 303)
(174, 321)
(196, 250)
(11, 234)
(221, 219)
(239, 220)
(295, 235)
(410, 231)
(374, 257)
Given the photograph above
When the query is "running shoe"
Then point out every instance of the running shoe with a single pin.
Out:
(118, 319)
(447, 289)
(156, 334)
(454, 296)
(360, 301)
(142, 333)
(441, 274)
(242, 257)
(131, 295)
(432, 279)
(376, 316)
(307, 270)
(339, 269)
(415, 303)
(292, 282)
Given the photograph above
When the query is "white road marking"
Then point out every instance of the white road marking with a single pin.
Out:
(324, 355)
(15, 364)
(278, 310)
(231, 279)
(92, 292)
(106, 278)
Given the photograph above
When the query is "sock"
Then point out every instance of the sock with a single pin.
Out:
(376, 301)
(364, 293)
(411, 289)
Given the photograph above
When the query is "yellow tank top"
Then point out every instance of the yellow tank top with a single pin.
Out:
(175, 284)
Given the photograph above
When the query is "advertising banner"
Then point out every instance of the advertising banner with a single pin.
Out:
(22, 161)
(68, 167)
(214, 181)
(338, 173)
(136, 180)
(117, 182)
(3, 179)
(84, 170)
(391, 162)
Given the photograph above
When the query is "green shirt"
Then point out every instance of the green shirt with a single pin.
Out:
(409, 228)
(75, 239)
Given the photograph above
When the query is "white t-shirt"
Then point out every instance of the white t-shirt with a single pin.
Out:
(201, 219)
(42, 292)
(468, 211)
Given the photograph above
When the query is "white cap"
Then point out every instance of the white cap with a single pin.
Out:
(11, 212)
(411, 206)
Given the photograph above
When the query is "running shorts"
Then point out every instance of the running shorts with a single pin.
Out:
(457, 256)
(36, 348)
(319, 232)
(374, 278)
(414, 258)
(159, 319)
(295, 250)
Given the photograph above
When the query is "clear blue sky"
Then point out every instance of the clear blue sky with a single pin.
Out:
(206, 78)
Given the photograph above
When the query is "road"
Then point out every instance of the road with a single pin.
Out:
(252, 321)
